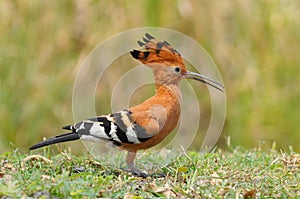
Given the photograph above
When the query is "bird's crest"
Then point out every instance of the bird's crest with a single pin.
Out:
(155, 52)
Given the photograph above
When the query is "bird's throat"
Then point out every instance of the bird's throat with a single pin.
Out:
(169, 92)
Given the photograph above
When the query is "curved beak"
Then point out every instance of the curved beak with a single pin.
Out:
(204, 79)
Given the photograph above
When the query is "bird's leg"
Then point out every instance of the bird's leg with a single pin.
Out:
(132, 168)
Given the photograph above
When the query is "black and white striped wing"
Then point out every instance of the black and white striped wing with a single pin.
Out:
(118, 128)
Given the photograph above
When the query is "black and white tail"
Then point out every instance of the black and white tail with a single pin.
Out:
(57, 139)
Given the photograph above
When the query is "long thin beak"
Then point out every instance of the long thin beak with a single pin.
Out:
(204, 79)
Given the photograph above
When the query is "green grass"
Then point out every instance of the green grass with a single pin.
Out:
(234, 173)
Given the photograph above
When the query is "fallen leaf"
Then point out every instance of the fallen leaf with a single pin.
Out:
(46, 177)
(8, 166)
(250, 194)
(169, 193)
(215, 179)
(222, 192)
(157, 189)
(128, 196)
(182, 169)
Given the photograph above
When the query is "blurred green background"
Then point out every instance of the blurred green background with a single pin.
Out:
(254, 43)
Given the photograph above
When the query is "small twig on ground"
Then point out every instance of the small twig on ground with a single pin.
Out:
(35, 157)
(186, 155)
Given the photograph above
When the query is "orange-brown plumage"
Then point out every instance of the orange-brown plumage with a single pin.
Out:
(147, 124)
(158, 115)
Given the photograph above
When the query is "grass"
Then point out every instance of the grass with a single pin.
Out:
(233, 173)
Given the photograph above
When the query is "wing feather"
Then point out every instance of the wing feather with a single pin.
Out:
(119, 128)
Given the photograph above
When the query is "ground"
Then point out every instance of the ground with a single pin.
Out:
(231, 173)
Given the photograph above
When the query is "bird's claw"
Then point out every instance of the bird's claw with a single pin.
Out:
(137, 172)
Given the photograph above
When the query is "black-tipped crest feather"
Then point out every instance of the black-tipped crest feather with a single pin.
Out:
(145, 40)
(135, 54)
(148, 36)
(141, 44)
(165, 42)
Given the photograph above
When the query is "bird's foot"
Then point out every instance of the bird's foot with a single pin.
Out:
(158, 175)
(136, 171)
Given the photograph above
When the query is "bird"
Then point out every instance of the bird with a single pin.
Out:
(145, 125)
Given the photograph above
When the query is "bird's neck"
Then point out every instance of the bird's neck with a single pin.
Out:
(168, 92)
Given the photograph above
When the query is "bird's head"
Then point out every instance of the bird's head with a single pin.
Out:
(167, 63)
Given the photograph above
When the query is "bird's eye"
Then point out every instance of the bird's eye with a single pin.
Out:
(177, 69)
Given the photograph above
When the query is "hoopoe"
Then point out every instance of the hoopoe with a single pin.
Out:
(147, 124)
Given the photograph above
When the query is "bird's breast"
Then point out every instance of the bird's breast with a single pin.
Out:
(159, 115)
